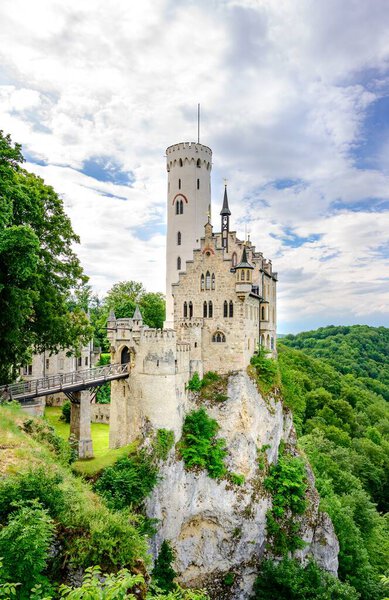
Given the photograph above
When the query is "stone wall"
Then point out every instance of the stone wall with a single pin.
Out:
(100, 413)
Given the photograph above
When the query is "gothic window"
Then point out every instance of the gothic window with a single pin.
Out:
(225, 309)
(213, 281)
(208, 281)
(198, 163)
(179, 184)
(177, 207)
(190, 309)
(185, 310)
(202, 282)
(180, 162)
(234, 259)
(179, 238)
(181, 207)
(198, 184)
(219, 337)
(247, 275)
(210, 309)
(242, 275)
(205, 309)
(179, 263)
(263, 313)
(231, 308)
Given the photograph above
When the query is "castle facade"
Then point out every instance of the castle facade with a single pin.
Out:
(220, 306)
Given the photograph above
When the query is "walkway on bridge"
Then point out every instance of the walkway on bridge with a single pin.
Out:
(67, 383)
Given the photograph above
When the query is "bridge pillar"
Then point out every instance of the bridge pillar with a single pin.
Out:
(80, 423)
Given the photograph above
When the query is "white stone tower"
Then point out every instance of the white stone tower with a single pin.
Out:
(189, 167)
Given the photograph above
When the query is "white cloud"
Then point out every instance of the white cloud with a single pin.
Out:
(284, 86)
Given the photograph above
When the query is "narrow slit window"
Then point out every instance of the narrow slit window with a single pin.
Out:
(210, 309)
(225, 309)
(179, 238)
(213, 281)
(179, 263)
(205, 310)
(202, 284)
(231, 308)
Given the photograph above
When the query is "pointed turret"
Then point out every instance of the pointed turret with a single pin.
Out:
(137, 314)
(111, 316)
(244, 276)
(244, 263)
(226, 209)
(225, 215)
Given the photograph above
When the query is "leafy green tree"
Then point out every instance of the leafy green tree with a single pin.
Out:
(289, 580)
(163, 573)
(38, 267)
(24, 545)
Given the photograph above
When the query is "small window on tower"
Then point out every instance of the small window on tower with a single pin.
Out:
(208, 281)
(179, 238)
(179, 184)
(190, 309)
(202, 282)
(205, 310)
(179, 263)
(180, 162)
(213, 281)
(177, 208)
(198, 163)
(210, 309)
(231, 308)
(198, 184)
(181, 207)
(225, 309)
(185, 310)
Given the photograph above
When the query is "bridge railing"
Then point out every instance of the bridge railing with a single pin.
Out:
(61, 381)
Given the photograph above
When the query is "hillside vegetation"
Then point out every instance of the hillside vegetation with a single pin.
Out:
(336, 380)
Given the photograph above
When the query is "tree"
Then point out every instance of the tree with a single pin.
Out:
(38, 267)
(163, 573)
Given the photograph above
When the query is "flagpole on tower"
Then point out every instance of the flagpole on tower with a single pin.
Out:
(198, 123)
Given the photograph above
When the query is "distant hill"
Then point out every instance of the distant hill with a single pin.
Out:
(336, 381)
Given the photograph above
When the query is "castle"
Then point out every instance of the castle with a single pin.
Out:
(220, 305)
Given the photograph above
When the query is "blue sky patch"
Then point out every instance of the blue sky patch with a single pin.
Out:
(373, 205)
(104, 168)
(283, 184)
(289, 238)
(374, 135)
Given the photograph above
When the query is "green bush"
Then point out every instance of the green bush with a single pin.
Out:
(43, 432)
(289, 580)
(236, 478)
(66, 411)
(128, 481)
(24, 546)
(266, 370)
(163, 573)
(199, 446)
(287, 484)
(194, 384)
(163, 443)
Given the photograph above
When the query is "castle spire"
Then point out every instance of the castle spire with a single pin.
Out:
(137, 314)
(225, 215)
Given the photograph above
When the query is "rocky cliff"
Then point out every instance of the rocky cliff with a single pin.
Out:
(218, 529)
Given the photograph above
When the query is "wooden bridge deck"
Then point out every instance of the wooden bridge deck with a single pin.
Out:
(26, 391)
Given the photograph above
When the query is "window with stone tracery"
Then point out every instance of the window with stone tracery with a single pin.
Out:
(219, 337)
(208, 280)
(202, 284)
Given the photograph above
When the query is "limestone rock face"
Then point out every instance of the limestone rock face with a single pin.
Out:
(216, 527)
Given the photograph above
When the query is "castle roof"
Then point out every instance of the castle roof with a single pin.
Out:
(225, 210)
(137, 314)
(244, 263)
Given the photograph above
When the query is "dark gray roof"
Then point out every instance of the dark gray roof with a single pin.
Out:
(225, 210)
(244, 263)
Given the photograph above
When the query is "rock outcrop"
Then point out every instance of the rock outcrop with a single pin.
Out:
(218, 529)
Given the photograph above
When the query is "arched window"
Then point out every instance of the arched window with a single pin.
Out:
(190, 309)
(231, 308)
(205, 309)
(179, 238)
(198, 163)
(225, 309)
(263, 313)
(210, 309)
(181, 205)
(219, 337)
(180, 162)
(213, 281)
(242, 275)
(198, 184)
(185, 310)
(179, 184)
(234, 259)
(202, 282)
(179, 263)
(208, 281)
(247, 275)
(177, 207)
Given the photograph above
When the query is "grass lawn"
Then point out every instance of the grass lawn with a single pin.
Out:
(103, 455)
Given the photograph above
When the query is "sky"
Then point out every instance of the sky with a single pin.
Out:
(294, 104)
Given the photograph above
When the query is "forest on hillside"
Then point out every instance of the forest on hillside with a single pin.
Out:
(336, 382)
